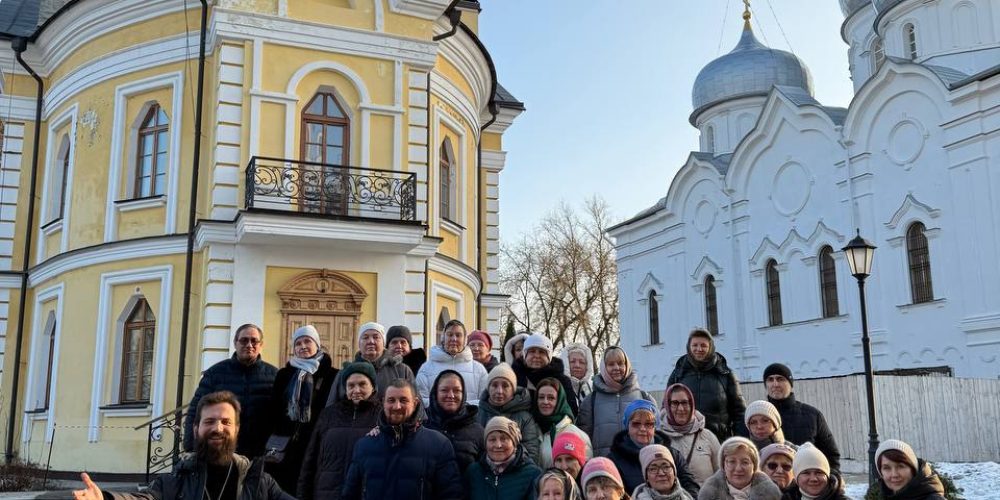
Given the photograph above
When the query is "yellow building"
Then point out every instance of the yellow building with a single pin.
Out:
(346, 169)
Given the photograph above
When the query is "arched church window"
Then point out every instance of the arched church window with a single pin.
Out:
(828, 282)
(918, 255)
(710, 139)
(711, 306)
(910, 40)
(877, 54)
(773, 294)
(325, 131)
(654, 319)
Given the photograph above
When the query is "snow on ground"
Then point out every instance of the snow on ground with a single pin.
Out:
(978, 480)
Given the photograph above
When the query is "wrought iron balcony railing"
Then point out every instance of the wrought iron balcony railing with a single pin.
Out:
(161, 453)
(282, 185)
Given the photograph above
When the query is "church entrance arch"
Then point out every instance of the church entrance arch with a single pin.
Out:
(328, 300)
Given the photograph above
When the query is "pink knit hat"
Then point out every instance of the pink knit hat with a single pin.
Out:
(601, 467)
(567, 443)
(482, 337)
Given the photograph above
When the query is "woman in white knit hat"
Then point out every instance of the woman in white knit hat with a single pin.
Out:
(903, 476)
(660, 476)
(297, 398)
(764, 423)
(813, 480)
(740, 477)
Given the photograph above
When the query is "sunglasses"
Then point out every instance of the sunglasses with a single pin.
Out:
(252, 341)
(772, 466)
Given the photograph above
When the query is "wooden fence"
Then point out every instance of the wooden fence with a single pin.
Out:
(943, 418)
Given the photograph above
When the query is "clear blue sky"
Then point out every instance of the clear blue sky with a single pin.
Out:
(607, 84)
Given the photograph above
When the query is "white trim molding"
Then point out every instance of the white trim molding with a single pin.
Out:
(105, 253)
(102, 335)
(456, 270)
(69, 116)
(424, 9)
(38, 327)
(175, 82)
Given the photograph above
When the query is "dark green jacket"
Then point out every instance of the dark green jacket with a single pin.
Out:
(516, 482)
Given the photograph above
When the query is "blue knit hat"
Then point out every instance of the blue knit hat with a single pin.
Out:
(640, 404)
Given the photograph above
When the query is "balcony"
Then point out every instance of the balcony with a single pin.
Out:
(332, 191)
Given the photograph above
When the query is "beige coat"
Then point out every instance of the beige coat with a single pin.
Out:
(704, 459)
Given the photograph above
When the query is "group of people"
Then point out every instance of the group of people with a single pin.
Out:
(456, 423)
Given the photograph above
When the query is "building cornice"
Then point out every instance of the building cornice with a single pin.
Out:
(105, 253)
(458, 270)
(424, 9)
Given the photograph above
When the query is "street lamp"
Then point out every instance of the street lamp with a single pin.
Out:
(860, 254)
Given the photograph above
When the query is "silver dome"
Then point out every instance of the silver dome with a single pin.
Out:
(849, 7)
(750, 69)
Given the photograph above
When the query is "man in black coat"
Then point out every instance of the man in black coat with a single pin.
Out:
(404, 460)
(538, 363)
(799, 422)
(248, 377)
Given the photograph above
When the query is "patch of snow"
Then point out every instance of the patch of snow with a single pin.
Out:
(978, 480)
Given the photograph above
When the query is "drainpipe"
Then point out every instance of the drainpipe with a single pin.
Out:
(192, 214)
(20, 45)
(454, 16)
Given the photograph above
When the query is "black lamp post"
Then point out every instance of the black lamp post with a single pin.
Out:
(860, 254)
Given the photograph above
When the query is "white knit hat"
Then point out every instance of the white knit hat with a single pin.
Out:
(371, 325)
(538, 341)
(808, 457)
(306, 331)
(764, 408)
(895, 444)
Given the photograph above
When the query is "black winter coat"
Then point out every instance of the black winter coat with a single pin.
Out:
(252, 386)
(492, 363)
(462, 429)
(801, 422)
(625, 455)
(339, 428)
(834, 490)
(529, 378)
(716, 395)
(287, 472)
(402, 463)
(188, 482)
(415, 359)
(925, 485)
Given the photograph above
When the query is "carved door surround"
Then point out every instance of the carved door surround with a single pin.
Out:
(330, 300)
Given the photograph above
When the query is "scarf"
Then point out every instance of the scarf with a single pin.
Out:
(300, 388)
(499, 467)
(665, 416)
(710, 360)
(612, 384)
(739, 494)
(548, 423)
(777, 437)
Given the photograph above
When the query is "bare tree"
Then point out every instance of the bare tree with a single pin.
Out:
(562, 278)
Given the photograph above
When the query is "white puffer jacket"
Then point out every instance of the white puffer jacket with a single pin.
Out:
(472, 371)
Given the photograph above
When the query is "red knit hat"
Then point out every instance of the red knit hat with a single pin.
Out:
(482, 337)
(567, 443)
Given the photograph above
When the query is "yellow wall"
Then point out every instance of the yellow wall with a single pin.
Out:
(277, 277)
(468, 298)
(492, 141)
(135, 112)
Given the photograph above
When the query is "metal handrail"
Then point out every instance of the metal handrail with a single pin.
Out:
(159, 458)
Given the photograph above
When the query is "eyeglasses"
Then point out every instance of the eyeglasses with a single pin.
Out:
(661, 470)
(642, 425)
(679, 404)
(249, 340)
(774, 466)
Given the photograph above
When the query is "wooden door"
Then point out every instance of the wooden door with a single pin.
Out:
(336, 335)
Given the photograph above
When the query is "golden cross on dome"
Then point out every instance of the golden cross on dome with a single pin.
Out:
(746, 14)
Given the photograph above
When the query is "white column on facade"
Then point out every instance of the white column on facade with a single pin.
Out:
(226, 164)
(417, 127)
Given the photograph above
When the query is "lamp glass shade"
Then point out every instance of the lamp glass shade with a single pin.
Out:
(860, 256)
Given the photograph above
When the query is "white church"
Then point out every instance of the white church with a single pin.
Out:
(747, 241)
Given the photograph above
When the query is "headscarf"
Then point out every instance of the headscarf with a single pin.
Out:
(710, 358)
(299, 392)
(547, 423)
(697, 420)
(435, 413)
(614, 385)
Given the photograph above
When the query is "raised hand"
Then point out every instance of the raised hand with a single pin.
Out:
(90, 491)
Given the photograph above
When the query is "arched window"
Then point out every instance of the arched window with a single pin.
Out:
(57, 192)
(773, 294)
(710, 139)
(828, 282)
(654, 319)
(877, 54)
(910, 40)
(151, 156)
(445, 165)
(325, 131)
(711, 306)
(919, 257)
(137, 354)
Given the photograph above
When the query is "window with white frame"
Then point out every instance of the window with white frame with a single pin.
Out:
(46, 345)
(828, 282)
(710, 139)
(137, 354)
(446, 172)
(919, 259)
(910, 40)
(654, 318)
(56, 208)
(877, 54)
(773, 294)
(151, 154)
(711, 306)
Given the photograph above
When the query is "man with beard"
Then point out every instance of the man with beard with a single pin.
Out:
(251, 379)
(403, 460)
(214, 471)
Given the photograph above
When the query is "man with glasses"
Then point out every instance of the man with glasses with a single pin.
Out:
(250, 378)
